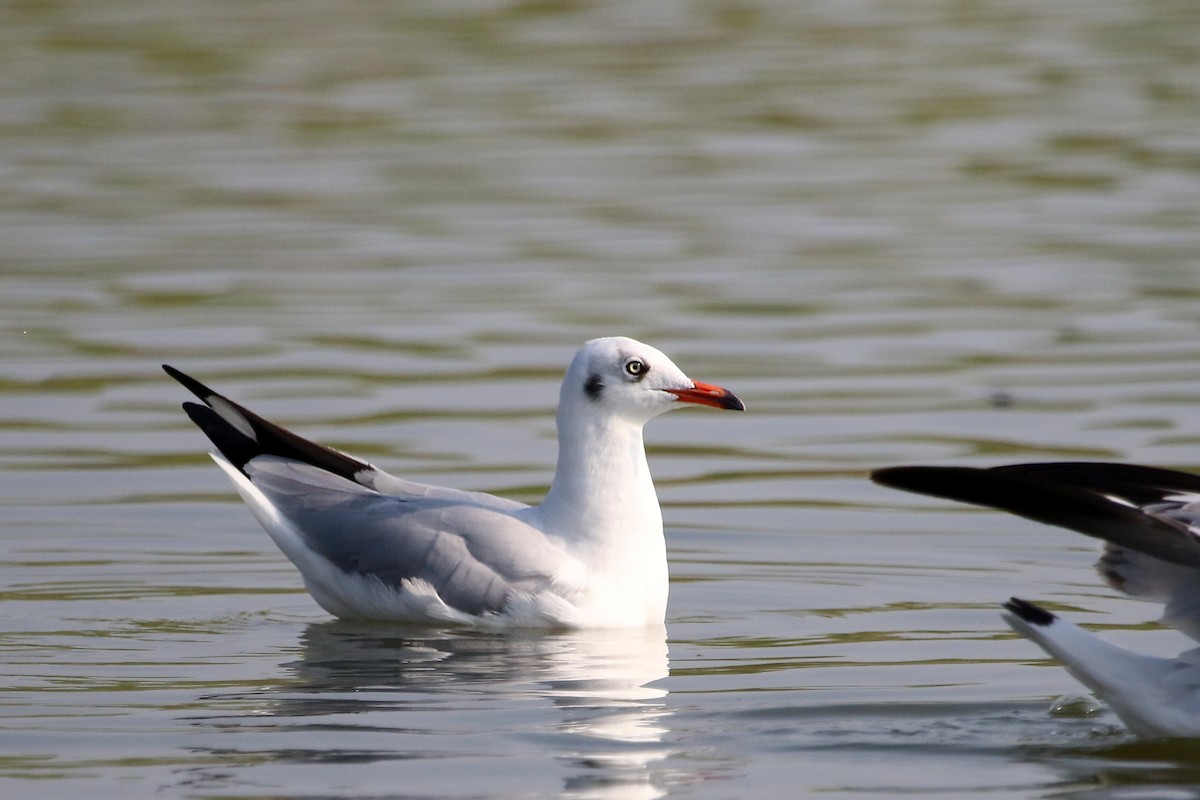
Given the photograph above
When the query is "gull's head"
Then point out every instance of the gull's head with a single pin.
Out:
(622, 377)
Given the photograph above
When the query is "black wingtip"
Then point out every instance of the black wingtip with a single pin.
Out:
(923, 480)
(191, 384)
(1099, 500)
(881, 476)
(231, 443)
(226, 429)
(1031, 613)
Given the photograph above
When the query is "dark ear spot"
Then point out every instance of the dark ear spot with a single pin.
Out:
(593, 386)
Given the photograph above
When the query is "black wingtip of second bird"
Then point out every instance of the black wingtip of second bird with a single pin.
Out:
(1030, 612)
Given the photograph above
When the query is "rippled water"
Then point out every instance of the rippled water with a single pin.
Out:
(922, 232)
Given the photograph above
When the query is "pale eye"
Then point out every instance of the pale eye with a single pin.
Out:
(636, 367)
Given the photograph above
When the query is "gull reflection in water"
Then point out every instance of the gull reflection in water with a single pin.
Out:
(585, 697)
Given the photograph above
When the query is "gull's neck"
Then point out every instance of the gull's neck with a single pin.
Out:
(602, 497)
(603, 511)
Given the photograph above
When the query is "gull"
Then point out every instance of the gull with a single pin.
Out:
(1149, 519)
(373, 546)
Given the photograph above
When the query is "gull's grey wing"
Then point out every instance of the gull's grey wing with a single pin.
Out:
(475, 556)
(388, 484)
(1148, 578)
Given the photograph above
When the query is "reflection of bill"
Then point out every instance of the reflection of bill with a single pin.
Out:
(588, 699)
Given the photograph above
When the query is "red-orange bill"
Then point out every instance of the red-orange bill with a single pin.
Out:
(706, 394)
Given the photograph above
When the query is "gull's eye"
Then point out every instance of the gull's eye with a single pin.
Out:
(636, 368)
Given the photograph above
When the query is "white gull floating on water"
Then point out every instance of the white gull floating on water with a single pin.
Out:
(1149, 519)
(372, 546)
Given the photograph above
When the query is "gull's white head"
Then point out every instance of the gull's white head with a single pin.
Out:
(626, 378)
